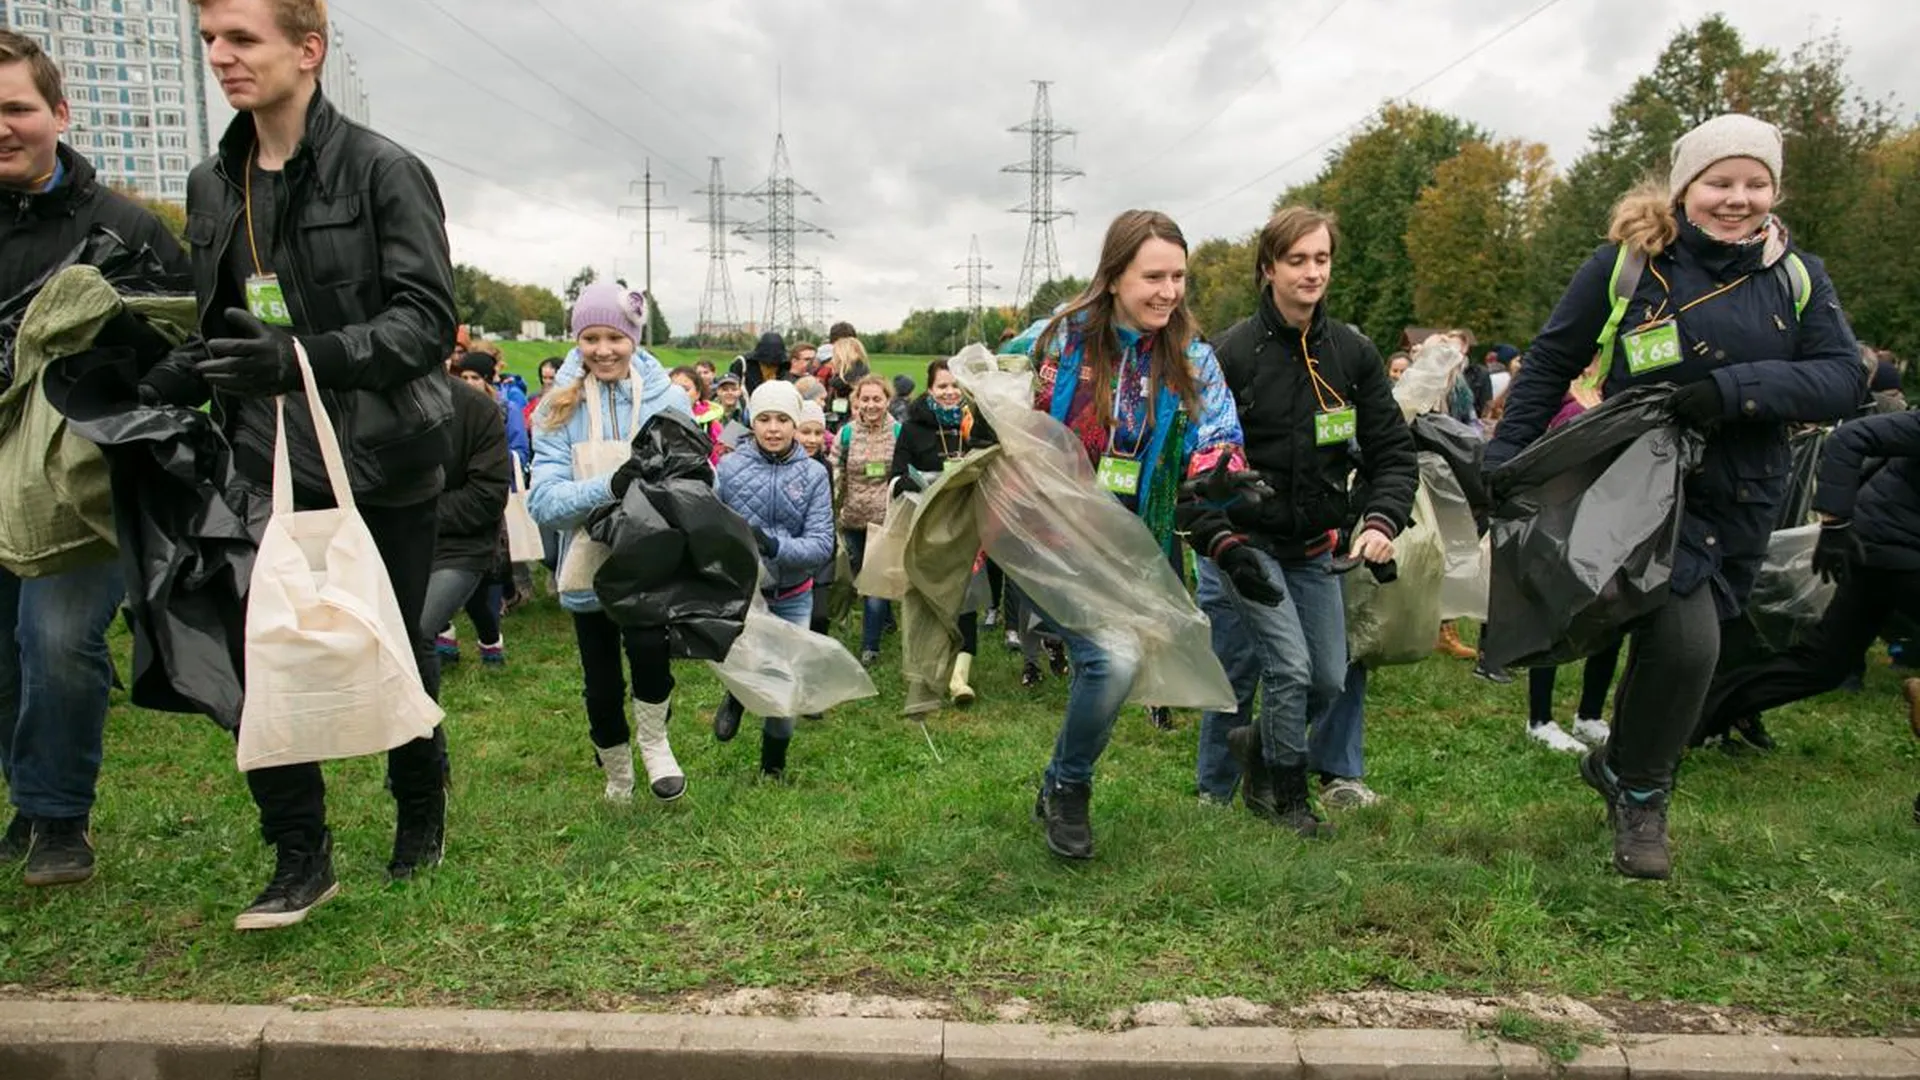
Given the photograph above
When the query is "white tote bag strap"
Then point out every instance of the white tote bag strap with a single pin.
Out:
(518, 487)
(323, 434)
(592, 389)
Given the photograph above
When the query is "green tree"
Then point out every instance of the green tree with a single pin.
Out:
(172, 215)
(1052, 294)
(1220, 285)
(1469, 235)
(1371, 184)
(1875, 261)
(1831, 132)
(538, 303)
(657, 322)
(584, 277)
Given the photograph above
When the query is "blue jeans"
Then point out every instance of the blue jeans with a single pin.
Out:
(1217, 773)
(796, 611)
(55, 675)
(1300, 645)
(875, 613)
(1101, 682)
(1337, 744)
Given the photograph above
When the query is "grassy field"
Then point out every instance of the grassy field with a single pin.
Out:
(878, 869)
(523, 358)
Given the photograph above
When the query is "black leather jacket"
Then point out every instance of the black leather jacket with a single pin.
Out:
(361, 252)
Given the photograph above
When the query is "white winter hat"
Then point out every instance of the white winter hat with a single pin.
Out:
(775, 396)
(812, 413)
(1729, 135)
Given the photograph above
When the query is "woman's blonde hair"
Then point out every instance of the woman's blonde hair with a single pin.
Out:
(1644, 219)
(556, 406)
(847, 352)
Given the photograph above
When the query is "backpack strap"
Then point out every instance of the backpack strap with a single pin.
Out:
(1628, 265)
(1799, 282)
(846, 438)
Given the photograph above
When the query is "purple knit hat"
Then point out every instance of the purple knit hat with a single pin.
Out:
(605, 303)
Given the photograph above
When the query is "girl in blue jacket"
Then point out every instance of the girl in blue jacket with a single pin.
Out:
(608, 364)
(784, 495)
(1751, 332)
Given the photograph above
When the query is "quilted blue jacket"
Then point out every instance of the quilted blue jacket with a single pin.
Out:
(789, 499)
(558, 501)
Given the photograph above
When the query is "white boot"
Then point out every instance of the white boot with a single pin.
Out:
(960, 687)
(617, 763)
(650, 731)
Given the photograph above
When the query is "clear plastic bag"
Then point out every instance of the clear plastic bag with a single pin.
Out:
(1788, 597)
(1463, 592)
(1080, 556)
(1423, 387)
(778, 669)
(1398, 623)
(883, 572)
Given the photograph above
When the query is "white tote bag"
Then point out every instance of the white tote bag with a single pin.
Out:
(330, 666)
(524, 543)
(595, 457)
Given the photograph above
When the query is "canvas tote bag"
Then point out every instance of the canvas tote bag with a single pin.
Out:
(523, 536)
(595, 457)
(330, 665)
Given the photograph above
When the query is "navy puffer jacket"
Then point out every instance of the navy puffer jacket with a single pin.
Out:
(1772, 368)
(1883, 501)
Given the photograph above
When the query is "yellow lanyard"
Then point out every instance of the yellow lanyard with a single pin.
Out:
(1321, 387)
(248, 185)
(1656, 315)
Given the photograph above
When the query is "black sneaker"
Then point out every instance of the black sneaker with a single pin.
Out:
(1296, 810)
(1593, 769)
(1063, 809)
(726, 720)
(1030, 674)
(1056, 655)
(1257, 792)
(61, 852)
(419, 837)
(18, 839)
(1640, 836)
(1494, 675)
(773, 757)
(1162, 717)
(302, 881)
(1753, 732)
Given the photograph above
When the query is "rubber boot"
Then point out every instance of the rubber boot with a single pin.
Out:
(959, 686)
(664, 776)
(617, 763)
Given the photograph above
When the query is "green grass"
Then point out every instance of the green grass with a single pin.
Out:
(879, 870)
(523, 358)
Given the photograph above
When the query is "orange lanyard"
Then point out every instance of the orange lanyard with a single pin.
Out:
(1322, 389)
(1659, 312)
(252, 246)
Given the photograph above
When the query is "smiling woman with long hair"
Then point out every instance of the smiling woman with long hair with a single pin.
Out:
(1124, 367)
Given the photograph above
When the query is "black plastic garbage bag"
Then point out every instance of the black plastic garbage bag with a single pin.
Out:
(1462, 448)
(1796, 509)
(679, 559)
(183, 528)
(1583, 530)
(128, 270)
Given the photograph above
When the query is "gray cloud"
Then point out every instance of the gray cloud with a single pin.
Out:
(896, 113)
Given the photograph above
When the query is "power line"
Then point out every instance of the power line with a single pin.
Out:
(1408, 92)
(549, 84)
(1041, 263)
(1235, 99)
(618, 68)
(405, 136)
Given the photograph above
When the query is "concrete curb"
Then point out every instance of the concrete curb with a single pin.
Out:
(98, 1041)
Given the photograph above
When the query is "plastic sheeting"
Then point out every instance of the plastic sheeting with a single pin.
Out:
(1080, 556)
(678, 559)
(1397, 623)
(128, 270)
(883, 572)
(1796, 508)
(777, 669)
(1463, 589)
(1430, 374)
(1788, 597)
(1584, 530)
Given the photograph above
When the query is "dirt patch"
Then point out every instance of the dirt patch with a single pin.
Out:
(752, 1002)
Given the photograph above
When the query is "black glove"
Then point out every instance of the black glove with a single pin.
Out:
(1837, 552)
(624, 476)
(769, 547)
(1219, 489)
(1243, 567)
(260, 364)
(1698, 403)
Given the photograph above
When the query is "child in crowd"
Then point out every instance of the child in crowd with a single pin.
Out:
(705, 412)
(608, 388)
(726, 392)
(862, 464)
(812, 434)
(784, 495)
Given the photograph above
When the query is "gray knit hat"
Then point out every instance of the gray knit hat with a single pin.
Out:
(1726, 136)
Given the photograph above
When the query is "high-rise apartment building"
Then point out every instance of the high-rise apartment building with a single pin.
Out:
(137, 85)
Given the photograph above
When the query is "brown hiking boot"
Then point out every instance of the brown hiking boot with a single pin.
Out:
(1451, 645)
(1911, 688)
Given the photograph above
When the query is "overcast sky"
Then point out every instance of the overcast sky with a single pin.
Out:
(896, 112)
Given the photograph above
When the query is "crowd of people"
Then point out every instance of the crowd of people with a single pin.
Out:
(1266, 459)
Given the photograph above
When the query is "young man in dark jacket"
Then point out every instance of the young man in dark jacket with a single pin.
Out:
(307, 225)
(54, 668)
(1315, 404)
(1869, 546)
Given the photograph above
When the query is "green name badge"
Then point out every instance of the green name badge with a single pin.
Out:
(1336, 427)
(266, 301)
(1653, 348)
(1119, 475)
(876, 470)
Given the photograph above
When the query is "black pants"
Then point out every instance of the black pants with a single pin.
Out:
(293, 798)
(1670, 658)
(970, 632)
(1596, 678)
(996, 585)
(1832, 650)
(602, 642)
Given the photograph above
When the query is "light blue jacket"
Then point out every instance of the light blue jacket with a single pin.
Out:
(556, 500)
(788, 498)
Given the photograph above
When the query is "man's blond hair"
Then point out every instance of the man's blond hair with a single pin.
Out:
(296, 18)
